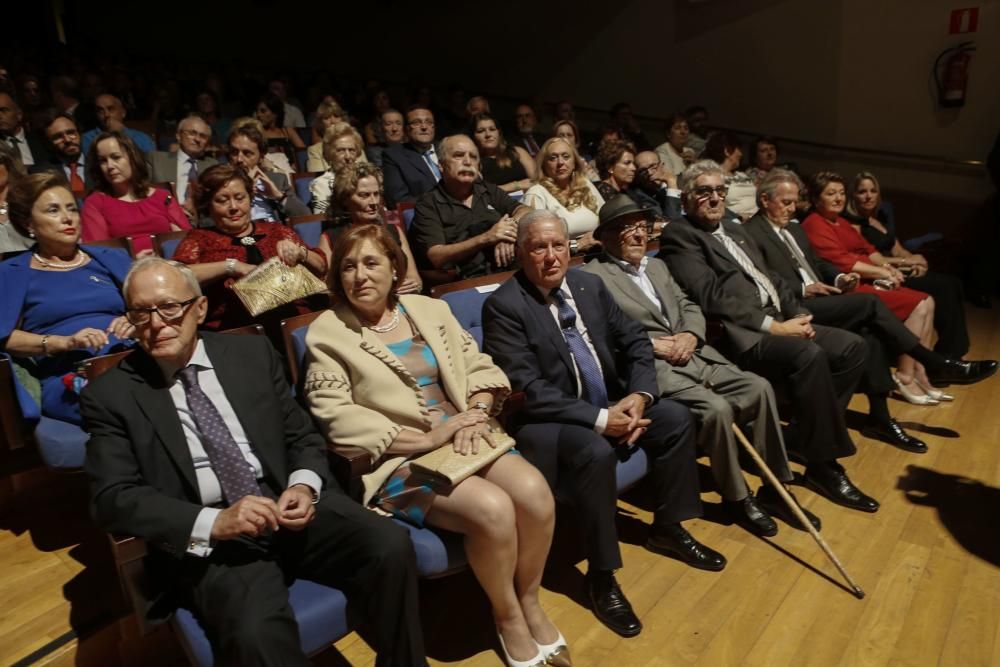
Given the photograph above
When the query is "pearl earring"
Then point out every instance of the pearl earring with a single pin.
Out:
(394, 276)
(31, 233)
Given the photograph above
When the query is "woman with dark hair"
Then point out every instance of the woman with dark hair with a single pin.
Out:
(124, 202)
(508, 167)
(12, 237)
(273, 198)
(61, 302)
(396, 377)
(281, 140)
(835, 240)
(357, 199)
(674, 153)
(763, 158)
(235, 246)
(207, 104)
(876, 224)
(725, 148)
(616, 165)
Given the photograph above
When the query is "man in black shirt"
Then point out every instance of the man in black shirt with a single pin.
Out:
(463, 222)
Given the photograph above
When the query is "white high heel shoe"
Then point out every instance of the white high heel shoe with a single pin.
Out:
(537, 661)
(557, 653)
(916, 399)
(936, 394)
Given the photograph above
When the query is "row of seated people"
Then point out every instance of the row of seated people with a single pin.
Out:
(394, 375)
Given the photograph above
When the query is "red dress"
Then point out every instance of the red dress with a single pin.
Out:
(841, 245)
(225, 310)
(105, 217)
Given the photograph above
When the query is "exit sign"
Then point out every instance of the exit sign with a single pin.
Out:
(963, 21)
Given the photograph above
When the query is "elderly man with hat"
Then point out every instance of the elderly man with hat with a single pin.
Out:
(690, 371)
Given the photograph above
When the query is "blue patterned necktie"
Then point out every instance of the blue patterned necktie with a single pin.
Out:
(594, 391)
(431, 164)
(236, 475)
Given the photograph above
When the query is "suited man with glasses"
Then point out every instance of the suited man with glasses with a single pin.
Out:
(412, 167)
(767, 330)
(198, 447)
(183, 166)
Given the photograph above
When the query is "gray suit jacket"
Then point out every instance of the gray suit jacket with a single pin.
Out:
(682, 315)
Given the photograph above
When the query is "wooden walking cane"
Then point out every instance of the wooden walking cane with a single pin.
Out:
(797, 511)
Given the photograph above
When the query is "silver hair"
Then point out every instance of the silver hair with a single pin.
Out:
(151, 263)
(687, 178)
(774, 178)
(191, 118)
(527, 220)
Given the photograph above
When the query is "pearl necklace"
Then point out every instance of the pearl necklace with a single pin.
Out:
(392, 324)
(80, 257)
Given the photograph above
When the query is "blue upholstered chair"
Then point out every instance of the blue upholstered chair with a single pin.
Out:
(302, 182)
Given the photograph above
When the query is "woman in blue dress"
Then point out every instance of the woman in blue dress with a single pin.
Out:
(60, 303)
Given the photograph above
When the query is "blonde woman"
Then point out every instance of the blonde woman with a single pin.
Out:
(342, 146)
(328, 113)
(564, 189)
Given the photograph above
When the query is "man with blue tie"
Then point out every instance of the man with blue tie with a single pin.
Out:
(412, 168)
(591, 399)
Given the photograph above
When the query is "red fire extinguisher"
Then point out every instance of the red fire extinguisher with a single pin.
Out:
(952, 78)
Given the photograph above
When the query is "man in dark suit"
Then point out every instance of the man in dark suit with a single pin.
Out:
(29, 147)
(525, 132)
(411, 168)
(198, 447)
(591, 396)
(183, 166)
(689, 370)
(66, 156)
(822, 288)
(767, 331)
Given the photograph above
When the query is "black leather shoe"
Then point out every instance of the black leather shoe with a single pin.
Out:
(833, 484)
(894, 434)
(769, 499)
(748, 514)
(677, 542)
(610, 605)
(963, 372)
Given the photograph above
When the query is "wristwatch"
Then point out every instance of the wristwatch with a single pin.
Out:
(573, 245)
(479, 405)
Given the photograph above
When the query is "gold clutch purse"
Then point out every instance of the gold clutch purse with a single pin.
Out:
(446, 467)
(274, 284)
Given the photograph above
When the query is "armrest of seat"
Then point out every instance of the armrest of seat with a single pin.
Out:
(349, 466)
(129, 554)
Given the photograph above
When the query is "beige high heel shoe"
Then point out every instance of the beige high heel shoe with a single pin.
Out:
(911, 396)
(936, 394)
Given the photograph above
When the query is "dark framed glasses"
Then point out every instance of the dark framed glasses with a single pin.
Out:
(168, 312)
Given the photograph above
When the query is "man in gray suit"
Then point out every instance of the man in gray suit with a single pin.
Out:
(182, 168)
(690, 371)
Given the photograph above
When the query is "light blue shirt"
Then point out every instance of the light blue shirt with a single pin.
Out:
(143, 141)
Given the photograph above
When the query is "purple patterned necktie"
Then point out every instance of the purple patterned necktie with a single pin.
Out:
(594, 390)
(236, 475)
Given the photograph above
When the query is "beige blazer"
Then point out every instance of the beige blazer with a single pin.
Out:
(361, 396)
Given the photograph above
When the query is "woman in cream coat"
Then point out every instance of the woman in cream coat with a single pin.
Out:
(397, 376)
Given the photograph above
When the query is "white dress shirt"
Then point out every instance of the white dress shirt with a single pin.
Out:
(208, 483)
(640, 279)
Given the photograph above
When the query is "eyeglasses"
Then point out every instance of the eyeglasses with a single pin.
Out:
(421, 122)
(169, 312)
(650, 167)
(632, 228)
(705, 191)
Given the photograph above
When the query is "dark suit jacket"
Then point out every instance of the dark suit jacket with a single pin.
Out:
(719, 285)
(39, 148)
(163, 166)
(523, 338)
(668, 207)
(407, 176)
(779, 258)
(142, 477)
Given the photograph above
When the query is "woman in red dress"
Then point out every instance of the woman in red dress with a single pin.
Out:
(235, 246)
(835, 240)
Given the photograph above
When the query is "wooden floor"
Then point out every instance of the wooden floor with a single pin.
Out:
(928, 561)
